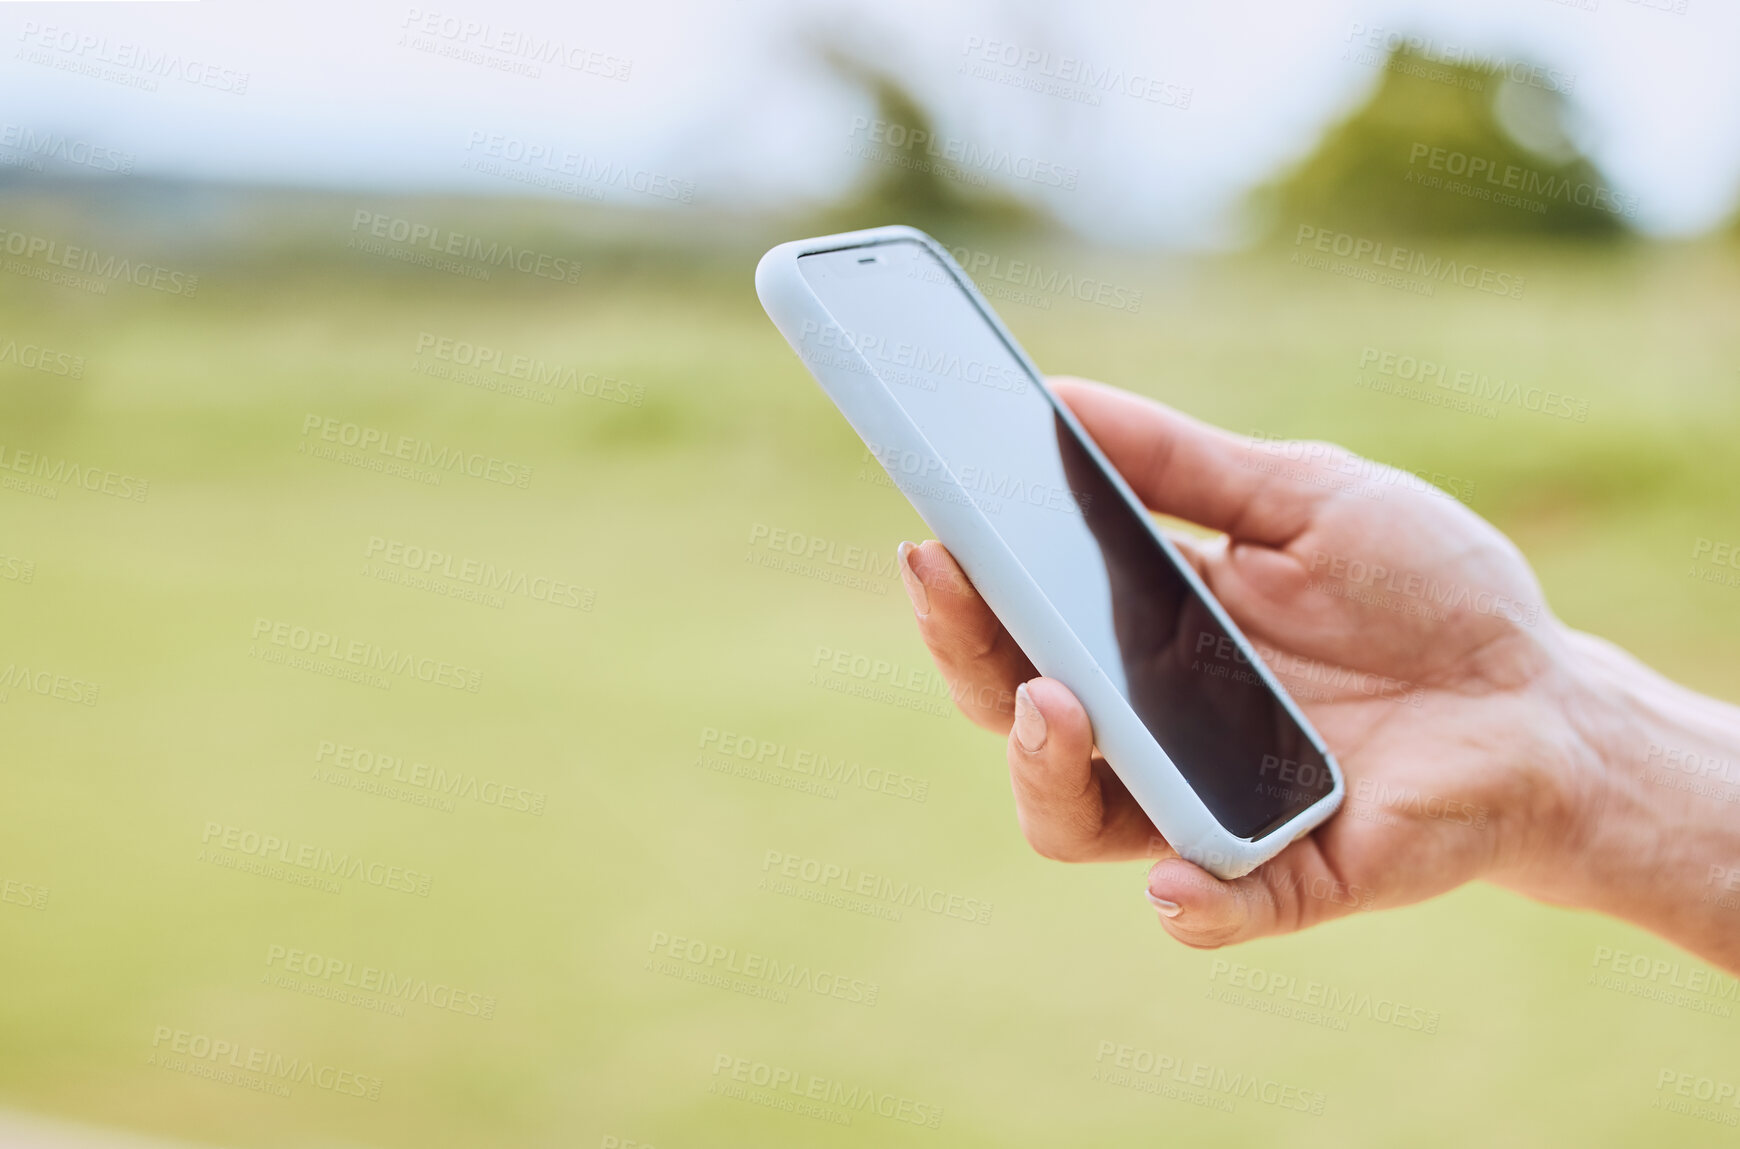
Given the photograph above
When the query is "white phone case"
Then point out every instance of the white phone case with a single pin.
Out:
(874, 412)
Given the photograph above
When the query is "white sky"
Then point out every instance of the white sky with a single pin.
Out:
(723, 94)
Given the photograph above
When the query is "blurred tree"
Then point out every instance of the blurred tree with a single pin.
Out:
(1447, 148)
(909, 176)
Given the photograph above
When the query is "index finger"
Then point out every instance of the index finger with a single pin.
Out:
(968, 643)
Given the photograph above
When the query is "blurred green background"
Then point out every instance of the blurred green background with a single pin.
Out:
(659, 508)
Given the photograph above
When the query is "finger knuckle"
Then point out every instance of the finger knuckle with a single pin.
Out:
(1204, 937)
(978, 642)
(987, 709)
(1053, 851)
(1278, 893)
(1055, 847)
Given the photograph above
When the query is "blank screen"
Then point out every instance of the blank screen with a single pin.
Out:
(1096, 558)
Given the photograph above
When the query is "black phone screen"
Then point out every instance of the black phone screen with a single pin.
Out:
(1097, 559)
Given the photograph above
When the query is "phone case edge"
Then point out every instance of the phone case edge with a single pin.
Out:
(876, 415)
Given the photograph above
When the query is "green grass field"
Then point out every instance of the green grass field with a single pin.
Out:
(653, 514)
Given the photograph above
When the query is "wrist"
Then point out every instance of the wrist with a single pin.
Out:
(1569, 813)
(1646, 783)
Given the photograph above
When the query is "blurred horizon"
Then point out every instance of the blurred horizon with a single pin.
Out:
(409, 100)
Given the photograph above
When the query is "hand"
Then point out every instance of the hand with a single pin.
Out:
(1412, 633)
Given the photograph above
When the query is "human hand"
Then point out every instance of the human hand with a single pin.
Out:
(1410, 631)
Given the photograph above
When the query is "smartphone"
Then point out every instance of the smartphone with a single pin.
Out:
(1183, 709)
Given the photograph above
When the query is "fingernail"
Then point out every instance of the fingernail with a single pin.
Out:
(914, 585)
(1166, 908)
(1029, 723)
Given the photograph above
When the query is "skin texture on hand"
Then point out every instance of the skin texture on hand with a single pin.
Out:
(1480, 737)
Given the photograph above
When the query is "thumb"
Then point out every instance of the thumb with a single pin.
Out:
(1192, 471)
